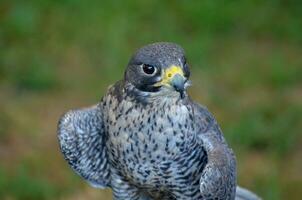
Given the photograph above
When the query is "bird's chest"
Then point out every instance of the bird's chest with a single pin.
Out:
(143, 138)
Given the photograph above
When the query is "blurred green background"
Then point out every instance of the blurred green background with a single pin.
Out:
(246, 63)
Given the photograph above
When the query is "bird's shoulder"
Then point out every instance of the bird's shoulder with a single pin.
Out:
(115, 91)
(202, 116)
(208, 129)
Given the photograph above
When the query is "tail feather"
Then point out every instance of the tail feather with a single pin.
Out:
(244, 194)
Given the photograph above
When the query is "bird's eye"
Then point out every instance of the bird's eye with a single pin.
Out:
(149, 69)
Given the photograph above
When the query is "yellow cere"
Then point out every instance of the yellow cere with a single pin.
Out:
(168, 75)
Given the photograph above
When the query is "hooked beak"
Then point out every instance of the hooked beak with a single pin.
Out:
(178, 82)
(174, 77)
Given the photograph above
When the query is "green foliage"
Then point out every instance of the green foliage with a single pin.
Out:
(266, 128)
(55, 55)
(5, 124)
(24, 186)
(35, 77)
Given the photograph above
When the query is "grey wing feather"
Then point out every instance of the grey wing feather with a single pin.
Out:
(244, 194)
(82, 141)
(218, 179)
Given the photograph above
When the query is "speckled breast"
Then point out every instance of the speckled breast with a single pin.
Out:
(153, 144)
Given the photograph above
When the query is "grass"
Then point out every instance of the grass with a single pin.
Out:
(245, 60)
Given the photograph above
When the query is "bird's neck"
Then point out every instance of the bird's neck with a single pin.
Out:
(161, 97)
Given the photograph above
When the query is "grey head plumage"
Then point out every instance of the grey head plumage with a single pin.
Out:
(146, 67)
(146, 139)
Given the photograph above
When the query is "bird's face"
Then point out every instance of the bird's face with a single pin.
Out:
(160, 69)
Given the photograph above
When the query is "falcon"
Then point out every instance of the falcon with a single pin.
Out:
(147, 140)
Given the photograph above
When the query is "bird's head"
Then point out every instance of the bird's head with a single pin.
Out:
(159, 69)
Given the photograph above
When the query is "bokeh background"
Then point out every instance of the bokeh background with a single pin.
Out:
(246, 63)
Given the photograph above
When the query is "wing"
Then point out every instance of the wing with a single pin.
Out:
(82, 142)
(218, 179)
(244, 194)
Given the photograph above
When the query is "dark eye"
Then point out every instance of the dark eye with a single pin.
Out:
(149, 69)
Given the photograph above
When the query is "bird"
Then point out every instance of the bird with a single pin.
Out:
(146, 139)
